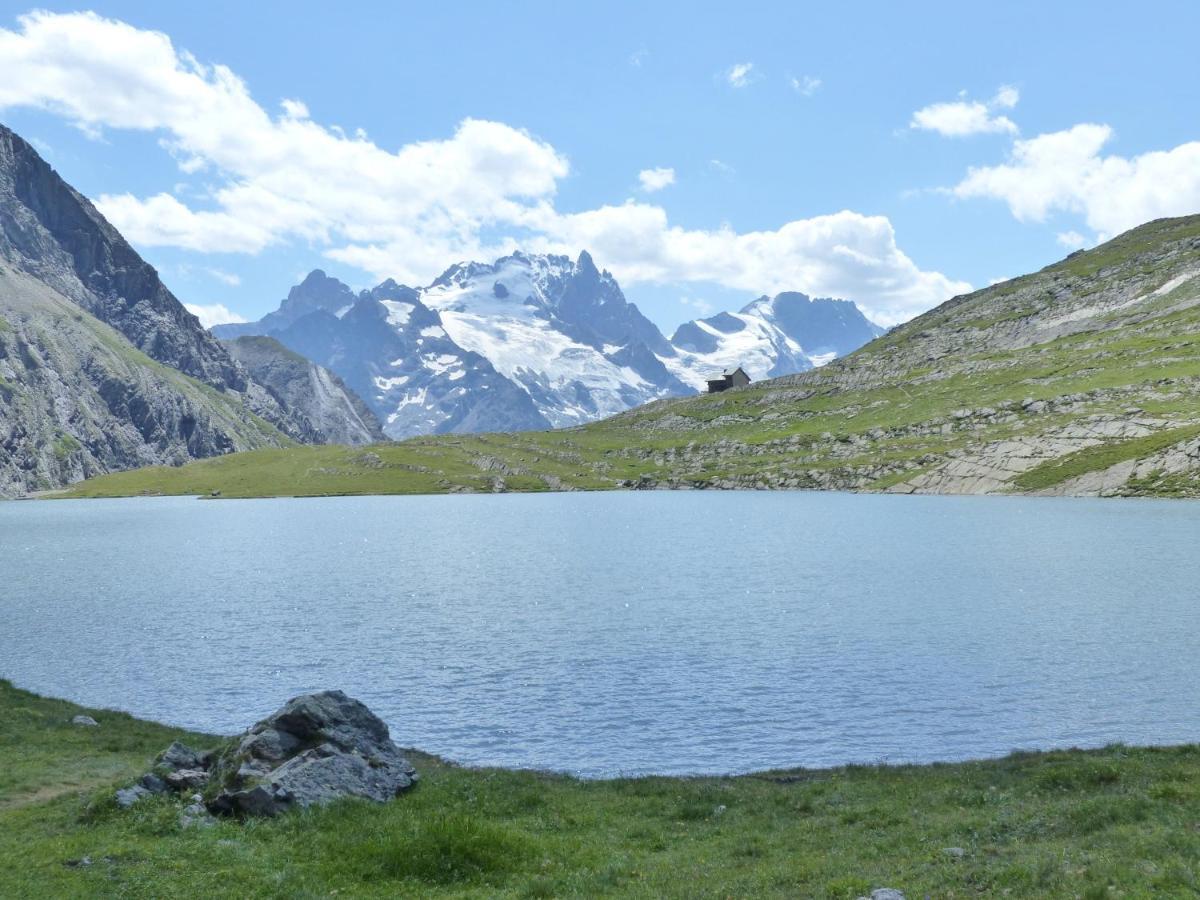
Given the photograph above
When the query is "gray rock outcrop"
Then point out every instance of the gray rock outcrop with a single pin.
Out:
(317, 748)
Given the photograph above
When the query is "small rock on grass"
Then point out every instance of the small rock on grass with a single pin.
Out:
(126, 797)
(187, 779)
(85, 721)
(196, 815)
(884, 894)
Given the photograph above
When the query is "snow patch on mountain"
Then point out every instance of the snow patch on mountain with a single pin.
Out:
(707, 347)
(769, 337)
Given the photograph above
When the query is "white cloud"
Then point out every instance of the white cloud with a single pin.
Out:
(638, 57)
(485, 190)
(723, 167)
(841, 255)
(806, 85)
(1072, 240)
(1006, 97)
(278, 178)
(963, 118)
(701, 306)
(294, 109)
(1065, 171)
(741, 74)
(216, 314)
(656, 179)
(229, 278)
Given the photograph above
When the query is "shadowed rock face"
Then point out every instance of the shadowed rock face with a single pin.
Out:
(317, 748)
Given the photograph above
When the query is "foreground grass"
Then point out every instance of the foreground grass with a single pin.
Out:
(1117, 822)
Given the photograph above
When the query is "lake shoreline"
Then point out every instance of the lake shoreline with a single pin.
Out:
(68, 493)
(784, 771)
(1057, 823)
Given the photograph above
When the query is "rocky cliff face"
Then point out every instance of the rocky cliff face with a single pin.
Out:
(51, 232)
(101, 368)
(322, 405)
(77, 399)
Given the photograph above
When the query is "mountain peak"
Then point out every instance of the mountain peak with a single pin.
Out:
(586, 266)
(317, 291)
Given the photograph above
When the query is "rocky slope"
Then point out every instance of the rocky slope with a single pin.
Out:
(322, 405)
(101, 368)
(533, 342)
(1082, 379)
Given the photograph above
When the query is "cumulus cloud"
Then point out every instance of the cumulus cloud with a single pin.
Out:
(261, 180)
(656, 179)
(294, 109)
(806, 85)
(841, 255)
(963, 117)
(1066, 171)
(740, 74)
(1072, 240)
(216, 314)
(282, 178)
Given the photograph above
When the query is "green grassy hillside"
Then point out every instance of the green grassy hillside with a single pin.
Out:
(1083, 378)
(1118, 822)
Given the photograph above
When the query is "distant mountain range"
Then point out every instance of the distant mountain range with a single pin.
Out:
(536, 341)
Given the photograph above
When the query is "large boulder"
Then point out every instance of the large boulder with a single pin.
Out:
(317, 748)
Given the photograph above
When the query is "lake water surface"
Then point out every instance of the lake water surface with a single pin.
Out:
(625, 632)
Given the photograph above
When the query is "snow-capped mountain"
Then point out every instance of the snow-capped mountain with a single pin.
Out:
(771, 336)
(562, 331)
(392, 350)
(535, 341)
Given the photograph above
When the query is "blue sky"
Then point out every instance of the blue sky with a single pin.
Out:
(824, 148)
